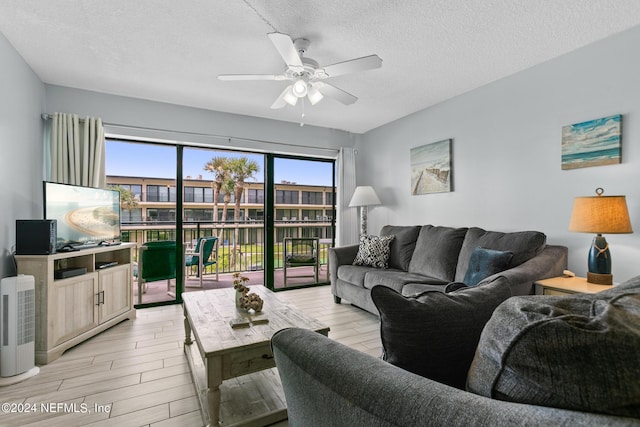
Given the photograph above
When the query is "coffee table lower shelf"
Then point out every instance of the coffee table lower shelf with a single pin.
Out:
(253, 400)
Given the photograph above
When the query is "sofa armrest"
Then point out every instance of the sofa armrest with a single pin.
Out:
(342, 255)
(551, 262)
(329, 384)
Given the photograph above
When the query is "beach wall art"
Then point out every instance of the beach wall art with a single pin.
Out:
(592, 143)
(431, 168)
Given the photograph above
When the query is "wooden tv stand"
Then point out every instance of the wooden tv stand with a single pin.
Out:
(73, 309)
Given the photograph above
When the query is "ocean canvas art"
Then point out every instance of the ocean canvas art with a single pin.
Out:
(592, 143)
(431, 168)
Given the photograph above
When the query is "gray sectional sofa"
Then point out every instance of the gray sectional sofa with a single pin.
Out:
(430, 257)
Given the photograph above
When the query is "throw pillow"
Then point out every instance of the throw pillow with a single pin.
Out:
(403, 245)
(484, 263)
(524, 245)
(434, 334)
(436, 252)
(574, 352)
(373, 251)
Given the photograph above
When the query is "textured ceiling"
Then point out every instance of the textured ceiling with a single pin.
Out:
(172, 51)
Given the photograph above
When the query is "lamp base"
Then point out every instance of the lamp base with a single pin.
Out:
(599, 279)
(363, 220)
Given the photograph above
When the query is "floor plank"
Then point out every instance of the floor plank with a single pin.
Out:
(136, 374)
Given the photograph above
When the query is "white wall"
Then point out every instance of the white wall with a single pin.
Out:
(21, 102)
(506, 152)
(194, 124)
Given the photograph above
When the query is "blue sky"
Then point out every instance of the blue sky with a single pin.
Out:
(158, 161)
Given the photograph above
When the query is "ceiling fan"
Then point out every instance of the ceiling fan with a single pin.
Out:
(306, 74)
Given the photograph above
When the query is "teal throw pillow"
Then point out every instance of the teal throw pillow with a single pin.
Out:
(484, 263)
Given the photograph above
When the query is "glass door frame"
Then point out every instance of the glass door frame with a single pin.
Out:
(179, 279)
(270, 217)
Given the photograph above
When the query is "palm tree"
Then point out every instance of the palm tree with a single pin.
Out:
(242, 169)
(219, 167)
(226, 190)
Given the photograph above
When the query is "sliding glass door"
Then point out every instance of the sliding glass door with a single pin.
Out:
(269, 218)
(224, 199)
(149, 197)
(303, 213)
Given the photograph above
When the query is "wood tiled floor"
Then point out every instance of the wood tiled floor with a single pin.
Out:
(136, 374)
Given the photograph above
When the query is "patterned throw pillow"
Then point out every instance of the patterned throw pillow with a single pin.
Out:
(374, 251)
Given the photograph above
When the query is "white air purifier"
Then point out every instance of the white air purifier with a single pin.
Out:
(17, 329)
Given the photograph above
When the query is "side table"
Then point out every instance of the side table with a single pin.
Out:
(564, 285)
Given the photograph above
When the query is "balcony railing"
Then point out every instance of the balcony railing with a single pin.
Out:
(249, 253)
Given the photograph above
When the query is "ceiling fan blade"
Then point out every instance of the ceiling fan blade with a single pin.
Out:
(287, 50)
(286, 97)
(238, 77)
(336, 93)
(354, 65)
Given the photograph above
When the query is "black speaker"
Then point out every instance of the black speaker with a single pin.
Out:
(36, 236)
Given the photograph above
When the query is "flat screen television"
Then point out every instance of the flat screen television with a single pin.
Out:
(85, 216)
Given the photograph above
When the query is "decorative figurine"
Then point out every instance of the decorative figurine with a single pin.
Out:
(244, 299)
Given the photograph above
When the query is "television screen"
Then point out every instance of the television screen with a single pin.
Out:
(86, 216)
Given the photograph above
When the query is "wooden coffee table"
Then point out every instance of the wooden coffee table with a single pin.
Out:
(224, 352)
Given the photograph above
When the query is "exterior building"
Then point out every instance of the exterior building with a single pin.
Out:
(300, 210)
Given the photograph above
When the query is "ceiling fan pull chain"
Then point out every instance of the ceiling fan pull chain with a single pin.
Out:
(260, 16)
(302, 118)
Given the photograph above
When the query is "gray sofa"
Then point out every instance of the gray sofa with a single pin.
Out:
(430, 257)
(541, 361)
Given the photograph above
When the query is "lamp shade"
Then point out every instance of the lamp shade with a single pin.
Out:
(364, 195)
(600, 214)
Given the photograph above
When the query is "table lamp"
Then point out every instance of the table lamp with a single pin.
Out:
(601, 215)
(364, 196)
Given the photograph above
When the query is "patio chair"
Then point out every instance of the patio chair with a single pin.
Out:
(156, 261)
(301, 252)
(204, 254)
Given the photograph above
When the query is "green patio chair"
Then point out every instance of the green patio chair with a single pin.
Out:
(156, 261)
(204, 255)
(301, 252)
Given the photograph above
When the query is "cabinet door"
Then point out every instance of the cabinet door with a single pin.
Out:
(72, 306)
(115, 291)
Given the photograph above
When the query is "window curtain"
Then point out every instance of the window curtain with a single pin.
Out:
(348, 228)
(75, 150)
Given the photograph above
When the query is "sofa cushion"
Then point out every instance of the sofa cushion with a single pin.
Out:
(578, 352)
(524, 245)
(412, 289)
(402, 246)
(484, 263)
(435, 334)
(436, 252)
(395, 279)
(353, 274)
(374, 251)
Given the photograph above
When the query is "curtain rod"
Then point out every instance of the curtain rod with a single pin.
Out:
(47, 116)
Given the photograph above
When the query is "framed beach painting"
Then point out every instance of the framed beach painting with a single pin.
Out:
(592, 143)
(431, 168)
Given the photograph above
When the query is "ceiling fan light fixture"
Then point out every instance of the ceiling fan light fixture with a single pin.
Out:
(289, 97)
(300, 88)
(314, 95)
